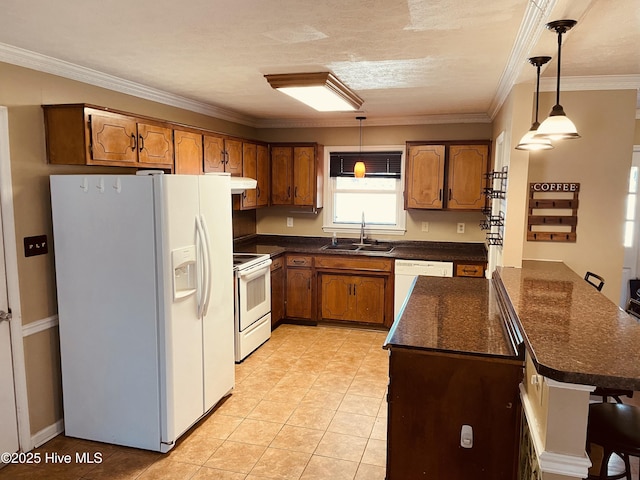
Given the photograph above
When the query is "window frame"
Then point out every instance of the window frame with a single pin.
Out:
(329, 188)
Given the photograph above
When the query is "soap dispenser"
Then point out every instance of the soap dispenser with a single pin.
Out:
(334, 239)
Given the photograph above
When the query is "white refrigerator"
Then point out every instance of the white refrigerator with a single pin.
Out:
(144, 276)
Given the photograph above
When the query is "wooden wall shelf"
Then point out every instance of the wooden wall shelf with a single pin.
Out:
(546, 226)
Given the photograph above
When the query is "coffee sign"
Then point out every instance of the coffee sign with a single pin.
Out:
(555, 187)
(560, 226)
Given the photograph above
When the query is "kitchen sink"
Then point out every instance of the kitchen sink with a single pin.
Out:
(377, 247)
(358, 247)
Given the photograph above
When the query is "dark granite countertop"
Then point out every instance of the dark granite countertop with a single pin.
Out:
(573, 333)
(452, 315)
(410, 250)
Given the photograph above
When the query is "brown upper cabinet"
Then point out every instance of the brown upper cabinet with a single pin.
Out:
(188, 152)
(80, 134)
(222, 154)
(446, 175)
(255, 164)
(296, 174)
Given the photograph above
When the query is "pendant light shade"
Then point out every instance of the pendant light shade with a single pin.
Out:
(359, 169)
(530, 141)
(558, 126)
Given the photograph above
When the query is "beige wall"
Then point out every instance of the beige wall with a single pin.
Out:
(636, 136)
(23, 91)
(442, 224)
(600, 162)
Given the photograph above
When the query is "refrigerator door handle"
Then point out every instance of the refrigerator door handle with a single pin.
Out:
(202, 266)
(207, 250)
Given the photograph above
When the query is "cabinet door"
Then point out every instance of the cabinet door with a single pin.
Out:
(188, 152)
(262, 189)
(233, 149)
(368, 297)
(214, 154)
(113, 138)
(424, 177)
(304, 175)
(467, 167)
(298, 297)
(335, 303)
(155, 145)
(249, 169)
(281, 175)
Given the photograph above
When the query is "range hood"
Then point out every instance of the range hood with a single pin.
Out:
(240, 184)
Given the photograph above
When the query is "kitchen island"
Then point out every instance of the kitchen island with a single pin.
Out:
(453, 389)
(574, 339)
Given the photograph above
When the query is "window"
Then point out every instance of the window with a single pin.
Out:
(378, 196)
(630, 215)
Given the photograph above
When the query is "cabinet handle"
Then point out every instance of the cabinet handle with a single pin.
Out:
(308, 284)
(226, 154)
(440, 195)
(140, 143)
(449, 194)
(258, 191)
(350, 288)
(133, 142)
(298, 262)
(354, 290)
(289, 192)
(295, 192)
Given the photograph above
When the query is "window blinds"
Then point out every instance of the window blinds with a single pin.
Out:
(377, 164)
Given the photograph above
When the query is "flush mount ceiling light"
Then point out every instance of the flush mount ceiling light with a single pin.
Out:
(320, 90)
(558, 126)
(530, 141)
(359, 169)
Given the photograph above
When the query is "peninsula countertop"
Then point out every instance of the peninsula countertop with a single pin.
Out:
(451, 315)
(573, 333)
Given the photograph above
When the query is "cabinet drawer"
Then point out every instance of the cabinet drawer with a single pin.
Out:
(299, 261)
(277, 263)
(354, 263)
(469, 270)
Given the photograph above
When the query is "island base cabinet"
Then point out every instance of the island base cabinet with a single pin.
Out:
(432, 396)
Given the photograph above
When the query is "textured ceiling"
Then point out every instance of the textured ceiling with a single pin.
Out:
(410, 60)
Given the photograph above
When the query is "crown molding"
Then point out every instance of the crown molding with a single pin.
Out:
(372, 122)
(532, 26)
(42, 63)
(601, 82)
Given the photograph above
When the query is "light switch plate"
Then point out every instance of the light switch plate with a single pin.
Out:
(460, 228)
(425, 226)
(289, 221)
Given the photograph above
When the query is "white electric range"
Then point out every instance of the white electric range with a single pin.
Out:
(252, 279)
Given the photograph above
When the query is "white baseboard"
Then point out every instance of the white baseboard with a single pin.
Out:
(47, 433)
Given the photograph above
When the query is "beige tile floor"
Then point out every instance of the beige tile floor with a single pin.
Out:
(309, 404)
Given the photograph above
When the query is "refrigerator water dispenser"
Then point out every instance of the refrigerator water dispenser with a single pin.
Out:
(184, 271)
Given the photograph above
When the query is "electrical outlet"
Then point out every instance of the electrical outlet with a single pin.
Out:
(460, 228)
(289, 221)
(425, 226)
(37, 245)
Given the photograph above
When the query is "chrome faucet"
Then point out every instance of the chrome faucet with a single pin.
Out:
(362, 235)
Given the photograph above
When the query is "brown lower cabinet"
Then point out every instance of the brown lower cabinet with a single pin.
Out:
(299, 287)
(432, 395)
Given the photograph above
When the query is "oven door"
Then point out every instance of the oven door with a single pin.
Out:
(254, 294)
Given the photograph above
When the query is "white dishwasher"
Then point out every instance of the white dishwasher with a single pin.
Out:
(406, 273)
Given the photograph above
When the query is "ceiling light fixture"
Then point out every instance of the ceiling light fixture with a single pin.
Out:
(359, 169)
(320, 90)
(557, 126)
(529, 141)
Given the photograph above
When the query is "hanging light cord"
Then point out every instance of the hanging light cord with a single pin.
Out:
(560, 32)
(537, 90)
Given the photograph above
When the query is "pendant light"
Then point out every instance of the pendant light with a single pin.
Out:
(359, 169)
(529, 141)
(558, 126)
